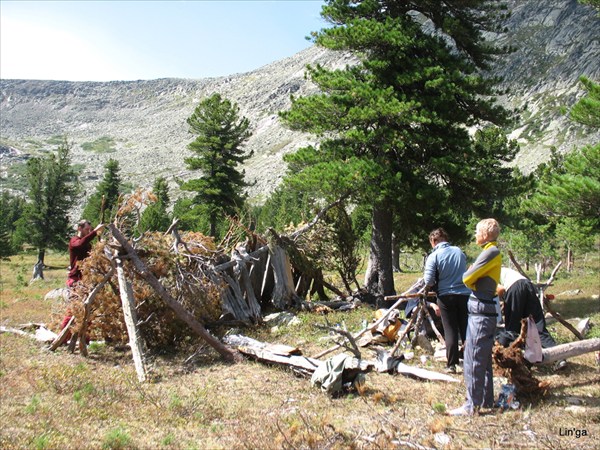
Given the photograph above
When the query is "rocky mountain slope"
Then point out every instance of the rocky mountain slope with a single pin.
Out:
(143, 125)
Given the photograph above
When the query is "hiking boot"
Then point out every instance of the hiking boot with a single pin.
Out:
(560, 365)
(450, 369)
(461, 411)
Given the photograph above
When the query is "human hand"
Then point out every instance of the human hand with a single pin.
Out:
(501, 290)
(99, 228)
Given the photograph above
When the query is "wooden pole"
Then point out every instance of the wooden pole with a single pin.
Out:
(128, 303)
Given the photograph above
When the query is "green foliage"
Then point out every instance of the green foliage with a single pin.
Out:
(16, 177)
(12, 208)
(193, 217)
(439, 408)
(562, 211)
(333, 245)
(41, 442)
(574, 190)
(218, 151)
(394, 126)
(592, 3)
(587, 110)
(34, 404)
(155, 217)
(104, 144)
(53, 185)
(110, 187)
(285, 207)
(116, 439)
(57, 139)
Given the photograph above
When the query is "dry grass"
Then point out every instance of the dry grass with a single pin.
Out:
(61, 400)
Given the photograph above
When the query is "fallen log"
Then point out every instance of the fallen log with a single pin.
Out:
(424, 374)
(560, 318)
(181, 312)
(41, 334)
(276, 354)
(569, 350)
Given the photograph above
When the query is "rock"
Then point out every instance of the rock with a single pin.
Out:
(442, 438)
(57, 294)
(577, 410)
(583, 326)
(570, 293)
(281, 319)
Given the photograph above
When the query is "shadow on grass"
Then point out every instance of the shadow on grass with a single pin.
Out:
(572, 307)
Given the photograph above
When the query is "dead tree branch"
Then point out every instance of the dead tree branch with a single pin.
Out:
(296, 234)
(353, 347)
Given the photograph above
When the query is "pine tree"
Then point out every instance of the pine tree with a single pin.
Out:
(12, 208)
(155, 216)
(53, 185)
(574, 191)
(394, 126)
(218, 151)
(587, 110)
(110, 188)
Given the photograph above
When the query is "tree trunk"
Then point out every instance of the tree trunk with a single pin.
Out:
(41, 256)
(38, 271)
(395, 254)
(570, 260)
(284, 293)
(379, 279)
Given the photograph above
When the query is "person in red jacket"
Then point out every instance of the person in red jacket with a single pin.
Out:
(80, 246)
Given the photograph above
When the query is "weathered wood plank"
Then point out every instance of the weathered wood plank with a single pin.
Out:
(128, 304)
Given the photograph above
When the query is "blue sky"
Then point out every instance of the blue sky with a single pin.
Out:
(142, 40)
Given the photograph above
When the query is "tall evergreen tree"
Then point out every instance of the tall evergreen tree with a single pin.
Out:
(110, 188)
(53, 185)
(155, 216)
(394, 126)
(218, 151)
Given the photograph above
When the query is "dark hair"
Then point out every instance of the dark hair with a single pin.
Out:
(439, 235)
(83, 223)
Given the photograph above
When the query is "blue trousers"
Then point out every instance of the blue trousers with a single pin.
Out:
(477, 366)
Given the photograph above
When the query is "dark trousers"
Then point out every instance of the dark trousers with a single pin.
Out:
(453, 309)
(520, 302)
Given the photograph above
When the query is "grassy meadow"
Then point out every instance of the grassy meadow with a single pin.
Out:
(59, 400)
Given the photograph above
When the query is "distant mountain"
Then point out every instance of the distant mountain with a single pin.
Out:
(143, 125)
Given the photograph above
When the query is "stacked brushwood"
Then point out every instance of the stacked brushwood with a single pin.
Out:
(184, 275)
(155, 290)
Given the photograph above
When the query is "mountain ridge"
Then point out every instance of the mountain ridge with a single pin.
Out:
(143, 125)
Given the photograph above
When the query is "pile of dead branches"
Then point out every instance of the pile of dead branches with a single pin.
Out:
(184, 275)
